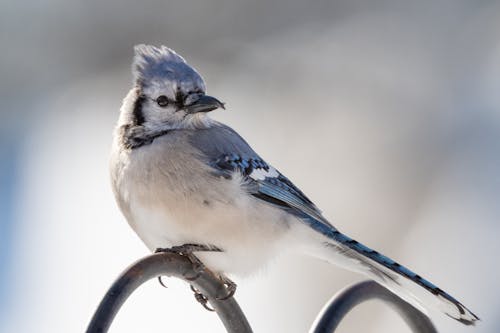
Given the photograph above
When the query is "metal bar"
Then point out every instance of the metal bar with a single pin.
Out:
(167, 264)
(343, 302)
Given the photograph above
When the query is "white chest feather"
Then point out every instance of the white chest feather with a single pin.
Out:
(171, 203)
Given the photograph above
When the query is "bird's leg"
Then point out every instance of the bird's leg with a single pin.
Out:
(230, 287)
(190, 248)
(187, 251)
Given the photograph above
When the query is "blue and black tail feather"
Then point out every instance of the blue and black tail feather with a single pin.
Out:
(465, 316)
(281, 192)
(462, 314)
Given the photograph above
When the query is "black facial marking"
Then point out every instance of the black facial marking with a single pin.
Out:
(137, 113)
(134, 136)
(179, 99)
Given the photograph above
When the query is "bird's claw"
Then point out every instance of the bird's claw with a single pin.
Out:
(202, 299)
(187, 250)
(230, 288)
(161, 282)
(197, 267)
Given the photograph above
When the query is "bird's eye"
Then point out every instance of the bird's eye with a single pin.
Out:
(162, 101)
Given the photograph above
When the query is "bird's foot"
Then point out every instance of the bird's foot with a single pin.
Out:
(202, 299)
(187, 250)
(190, 248)
(230, 287)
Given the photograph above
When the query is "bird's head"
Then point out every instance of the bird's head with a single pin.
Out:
(168, 93)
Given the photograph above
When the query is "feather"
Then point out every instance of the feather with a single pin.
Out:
(228, 153)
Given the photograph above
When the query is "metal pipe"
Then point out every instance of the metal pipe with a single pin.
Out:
(168, 264)
(345, 300)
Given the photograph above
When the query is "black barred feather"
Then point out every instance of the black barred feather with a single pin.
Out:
(267, 184)
(465, 316)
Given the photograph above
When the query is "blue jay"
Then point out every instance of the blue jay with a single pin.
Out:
(180, 177)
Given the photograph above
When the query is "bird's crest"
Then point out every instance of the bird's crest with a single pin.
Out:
(151, 61)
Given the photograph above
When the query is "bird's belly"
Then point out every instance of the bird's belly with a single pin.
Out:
(247, 230)
(168, 205)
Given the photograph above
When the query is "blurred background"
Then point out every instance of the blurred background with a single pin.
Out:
(386, 113)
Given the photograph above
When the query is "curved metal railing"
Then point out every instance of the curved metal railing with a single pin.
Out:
(228, 310)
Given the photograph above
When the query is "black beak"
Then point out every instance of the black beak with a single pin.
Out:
(204, 104)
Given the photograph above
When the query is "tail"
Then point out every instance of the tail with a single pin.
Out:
(406, 284)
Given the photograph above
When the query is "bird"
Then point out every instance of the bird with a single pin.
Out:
(180, 177)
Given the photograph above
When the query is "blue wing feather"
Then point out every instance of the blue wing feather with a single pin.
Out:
(227, 153)
(281, 192)
(277, 190)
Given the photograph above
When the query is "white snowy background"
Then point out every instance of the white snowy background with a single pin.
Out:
(386, 113)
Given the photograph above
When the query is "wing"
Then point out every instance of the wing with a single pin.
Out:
(268, 184)
(228, 153)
